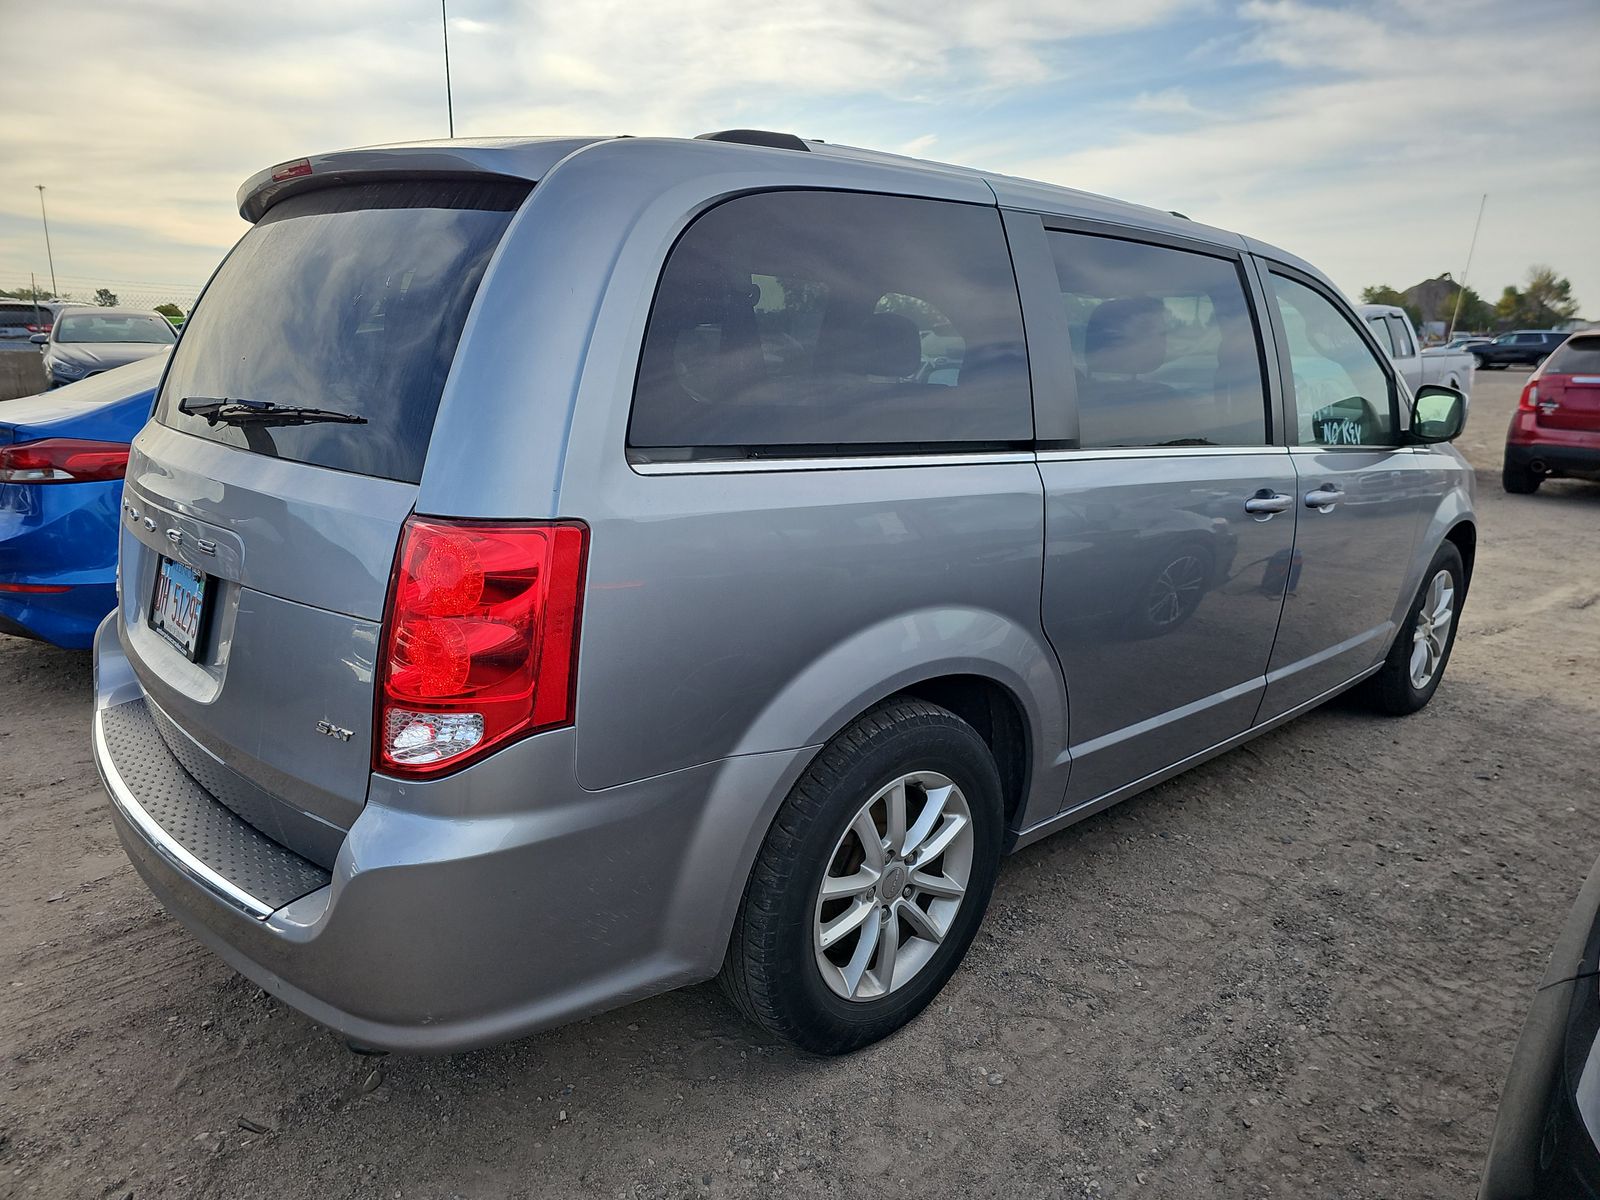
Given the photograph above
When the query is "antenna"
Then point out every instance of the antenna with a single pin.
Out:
(449, 101)
(1451, 332)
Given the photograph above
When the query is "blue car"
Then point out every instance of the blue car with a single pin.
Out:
(62, 459)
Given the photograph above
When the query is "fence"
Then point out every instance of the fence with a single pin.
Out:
(125, 293)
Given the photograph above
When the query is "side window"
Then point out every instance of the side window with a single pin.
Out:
(822, 322)
(1163, 344)
(1401, 337)
(1342, 394)
(1380, 330)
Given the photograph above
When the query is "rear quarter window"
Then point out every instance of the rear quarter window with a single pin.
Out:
(798, 322)
(351, 299)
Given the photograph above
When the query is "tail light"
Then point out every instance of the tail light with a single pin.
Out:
(37, 328)
(63, 460)
(480, 643)
(1529, 400)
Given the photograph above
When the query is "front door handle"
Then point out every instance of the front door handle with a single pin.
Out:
(1324, 498)
(1264, 503)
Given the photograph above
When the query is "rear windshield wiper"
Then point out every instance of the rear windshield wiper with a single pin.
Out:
(223, 409)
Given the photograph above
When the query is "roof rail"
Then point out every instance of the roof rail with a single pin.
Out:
(755, 137)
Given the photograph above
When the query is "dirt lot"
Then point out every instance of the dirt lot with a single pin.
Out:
(1297, 971)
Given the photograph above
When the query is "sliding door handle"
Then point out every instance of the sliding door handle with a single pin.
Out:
(1264, 503)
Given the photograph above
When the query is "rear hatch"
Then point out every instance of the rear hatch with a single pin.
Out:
(1569, 386)
(256, 553)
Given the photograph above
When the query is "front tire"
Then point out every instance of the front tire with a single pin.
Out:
(1411, 673)
(872, 881)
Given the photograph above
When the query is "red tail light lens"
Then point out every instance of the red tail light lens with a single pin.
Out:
(1529, 400)
(62, 460)
(291, 170)
(480, 643)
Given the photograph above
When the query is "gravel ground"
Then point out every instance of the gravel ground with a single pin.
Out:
(1297, 971)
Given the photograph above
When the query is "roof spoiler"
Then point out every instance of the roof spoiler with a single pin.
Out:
(755, 137)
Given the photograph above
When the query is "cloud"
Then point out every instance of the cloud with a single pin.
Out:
(1168, 101)
(1359, 135)
(1369, 152)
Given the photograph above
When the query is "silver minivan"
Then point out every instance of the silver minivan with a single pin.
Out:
(560, 570)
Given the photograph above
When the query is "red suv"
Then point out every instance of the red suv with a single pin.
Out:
(1556, 428)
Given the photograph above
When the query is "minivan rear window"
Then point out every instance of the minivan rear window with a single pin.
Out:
(351, 299)
(1578, 356)
(793, 323)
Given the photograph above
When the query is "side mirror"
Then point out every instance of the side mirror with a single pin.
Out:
(1438, 414)
(39, 339)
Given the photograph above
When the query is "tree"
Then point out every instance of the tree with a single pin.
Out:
(105, 297)
(1508, 307)
(1548, 297)
(171, 312)
(1475, 312)
(1547, 300)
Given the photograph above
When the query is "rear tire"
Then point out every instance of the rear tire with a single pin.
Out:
(777, 972)
(1411, 673)
(1519, 480)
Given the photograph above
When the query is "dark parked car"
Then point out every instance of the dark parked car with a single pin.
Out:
(1527, 347)
(20, 320)
(86, 341)
(1544, 1145)
(1556, 428)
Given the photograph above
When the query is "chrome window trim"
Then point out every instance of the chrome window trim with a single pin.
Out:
(163, 842)
(847, 462)
(838, 462)
(1157, 452)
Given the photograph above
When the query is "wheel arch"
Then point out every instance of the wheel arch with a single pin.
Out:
(998, 716)
(1001, 678)
(1464, 535)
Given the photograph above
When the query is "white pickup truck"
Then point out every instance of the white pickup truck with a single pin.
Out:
(1394, 332)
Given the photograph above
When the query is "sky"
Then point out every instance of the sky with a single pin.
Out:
(1360, 136)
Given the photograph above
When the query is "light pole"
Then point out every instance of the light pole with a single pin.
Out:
(47, 252)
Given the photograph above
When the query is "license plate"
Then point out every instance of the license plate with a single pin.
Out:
(179, 607)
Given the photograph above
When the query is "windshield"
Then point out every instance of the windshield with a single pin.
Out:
(113, 327)
(348, 298)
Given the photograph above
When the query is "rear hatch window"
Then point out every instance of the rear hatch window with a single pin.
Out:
(1579, 356)
(349, 299)
(15, 317)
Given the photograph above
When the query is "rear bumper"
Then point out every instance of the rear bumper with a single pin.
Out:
(1555, 457)
(66, 619)
(466, 911)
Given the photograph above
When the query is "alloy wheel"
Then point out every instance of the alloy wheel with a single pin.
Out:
(1431, 633)
(893, 886)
